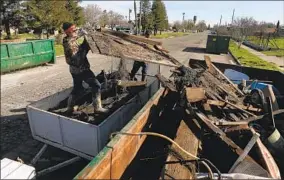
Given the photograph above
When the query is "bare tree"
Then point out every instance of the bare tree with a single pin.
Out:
(244, 27)
(115, 18)
(201, 26)
(177, 25)
(104, 19)
(92, 14)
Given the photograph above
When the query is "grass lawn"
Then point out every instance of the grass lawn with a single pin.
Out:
(21, 36)
(279, 53)
(278, 41)
(250, 60)
(58, 50)
(168, 34)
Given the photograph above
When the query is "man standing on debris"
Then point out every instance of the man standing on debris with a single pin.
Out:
(138, 64)
(79, 66)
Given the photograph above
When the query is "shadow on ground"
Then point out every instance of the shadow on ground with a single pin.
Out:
(15, 130)
(194, 50)
(18, 110)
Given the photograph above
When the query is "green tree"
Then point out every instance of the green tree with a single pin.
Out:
(48, 15)
(159, 16)
(76, 11)
(10, 15)
(146, 18)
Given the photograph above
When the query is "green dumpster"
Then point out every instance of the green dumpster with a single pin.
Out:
(223, 44)
(211, 45)
(217, 44)
(16, 56)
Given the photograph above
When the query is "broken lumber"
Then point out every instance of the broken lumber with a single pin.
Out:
(229, 123)
(239, 106)
(267, 160)
(132, 37)
(133, 50)
(195, 94)
(131, 83)
(229, 142)
(246, 151)
(214, 70)
(161, 62)
(187, 140)
(160, 48)
(251, 119)
(166, 83)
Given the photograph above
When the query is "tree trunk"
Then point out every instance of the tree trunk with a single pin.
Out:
(7, 30)
(160, 32)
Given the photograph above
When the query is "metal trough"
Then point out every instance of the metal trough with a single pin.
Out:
(80, 138)
(77, 137)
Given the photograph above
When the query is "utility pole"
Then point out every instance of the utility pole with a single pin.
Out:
(140, 11)
(183, 21)
(233, 17)
(220, 20)
(135, 14)
(129, 15)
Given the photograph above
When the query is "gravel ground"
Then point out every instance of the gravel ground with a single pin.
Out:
(20, 88)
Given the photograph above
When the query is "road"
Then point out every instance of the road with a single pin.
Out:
(20, 88)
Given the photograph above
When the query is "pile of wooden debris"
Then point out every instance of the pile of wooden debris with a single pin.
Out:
(126, 46)
(231, 114)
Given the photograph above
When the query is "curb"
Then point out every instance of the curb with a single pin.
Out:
(235, 59)
(60, 56)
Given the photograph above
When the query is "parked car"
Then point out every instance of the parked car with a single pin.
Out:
(125, 29)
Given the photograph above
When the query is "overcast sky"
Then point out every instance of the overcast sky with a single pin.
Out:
(210, 11)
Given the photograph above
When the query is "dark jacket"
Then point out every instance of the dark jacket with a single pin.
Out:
(76, 55)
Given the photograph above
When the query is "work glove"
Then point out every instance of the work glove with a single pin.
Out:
(82, 32)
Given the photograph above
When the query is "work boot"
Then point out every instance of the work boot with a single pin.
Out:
(97, 103)
(143, 78)
(70, 104)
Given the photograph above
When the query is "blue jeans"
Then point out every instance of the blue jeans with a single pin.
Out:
(89, 77)
(136, 67)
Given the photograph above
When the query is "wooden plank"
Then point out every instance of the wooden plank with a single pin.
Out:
(187, 140)
(133, 37)
(131, 83)
(166, 83)
(160, 62)
(267, 159)
(268, 92)
(113, 160)
(213, 69)
(160, 48)
(251, 119)
(229, 123)
(239, 106)
(92, 44)
(194, 94)
(209, 112)
(224, 138)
